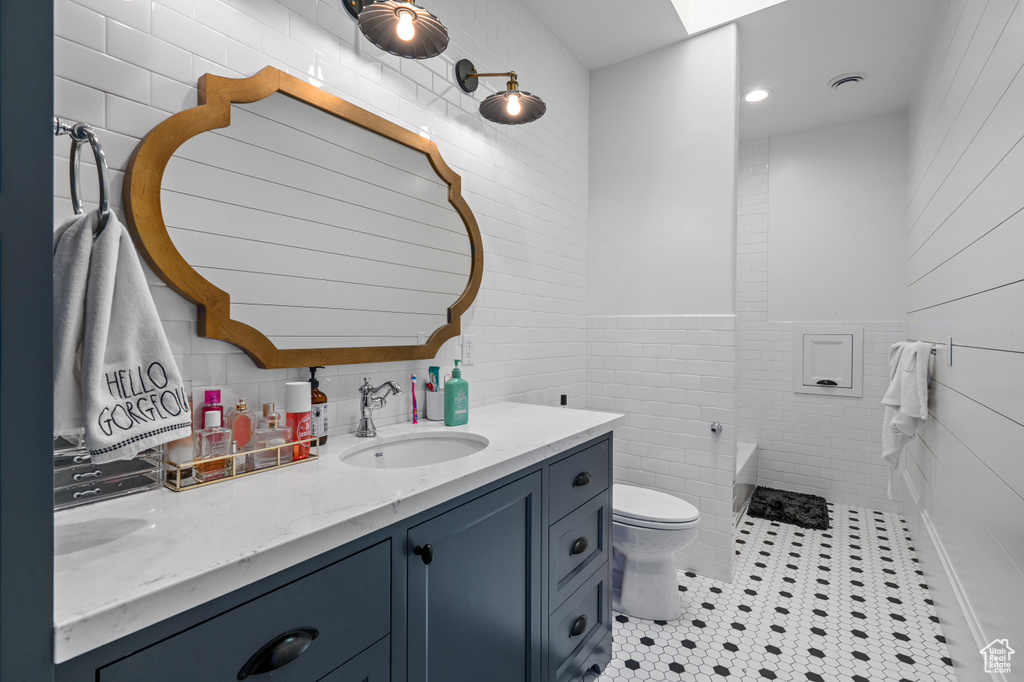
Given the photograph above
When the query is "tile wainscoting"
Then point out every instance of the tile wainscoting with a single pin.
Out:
(672, 376)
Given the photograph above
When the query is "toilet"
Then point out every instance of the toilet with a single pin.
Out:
(648, 527)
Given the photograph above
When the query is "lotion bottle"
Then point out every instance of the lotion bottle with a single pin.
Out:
(318, 407)
(456, 399)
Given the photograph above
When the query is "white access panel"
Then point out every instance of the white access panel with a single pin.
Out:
(829, 361)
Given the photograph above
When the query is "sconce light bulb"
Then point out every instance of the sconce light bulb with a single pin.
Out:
(405, 28)
(513, 107)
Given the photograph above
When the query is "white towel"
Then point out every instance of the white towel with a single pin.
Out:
(114, 372)
(906, 400)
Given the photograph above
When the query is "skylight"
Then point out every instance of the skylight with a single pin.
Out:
(700, 15)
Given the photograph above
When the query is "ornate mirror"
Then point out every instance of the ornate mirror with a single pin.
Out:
(307, 230)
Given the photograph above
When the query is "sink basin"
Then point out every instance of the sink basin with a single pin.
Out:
(413, 449)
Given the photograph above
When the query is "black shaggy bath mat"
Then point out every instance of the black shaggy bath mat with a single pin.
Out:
(799, 509)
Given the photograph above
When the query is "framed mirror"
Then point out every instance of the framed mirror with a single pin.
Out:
(307, 230)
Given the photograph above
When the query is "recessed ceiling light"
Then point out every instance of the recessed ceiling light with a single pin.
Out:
(757, 95)
(846, 81)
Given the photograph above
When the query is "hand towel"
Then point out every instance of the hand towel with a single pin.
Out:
(906, 401)
(114, 372)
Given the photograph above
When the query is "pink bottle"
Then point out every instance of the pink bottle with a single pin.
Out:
(211, 404)
(297, 404)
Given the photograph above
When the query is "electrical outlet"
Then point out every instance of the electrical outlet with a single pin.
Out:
(468, 348)
(421, 338)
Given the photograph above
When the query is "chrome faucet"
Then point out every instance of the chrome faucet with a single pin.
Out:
(368, 401)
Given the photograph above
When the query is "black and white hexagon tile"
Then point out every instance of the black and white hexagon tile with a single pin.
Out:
(846, 604)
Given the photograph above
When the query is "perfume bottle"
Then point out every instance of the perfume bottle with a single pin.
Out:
(212, 404)
(213, 441)
(270, 434)
(242, 423)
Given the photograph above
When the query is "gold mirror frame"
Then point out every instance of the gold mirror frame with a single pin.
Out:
(142, 189)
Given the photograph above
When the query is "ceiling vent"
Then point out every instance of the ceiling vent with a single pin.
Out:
(846, 81)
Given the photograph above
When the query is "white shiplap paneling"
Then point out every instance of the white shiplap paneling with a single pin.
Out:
(964, 280)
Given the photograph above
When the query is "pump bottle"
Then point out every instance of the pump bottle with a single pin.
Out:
(456, 399)
(318, 407)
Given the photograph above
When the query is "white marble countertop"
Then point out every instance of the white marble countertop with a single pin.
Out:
(125, 564)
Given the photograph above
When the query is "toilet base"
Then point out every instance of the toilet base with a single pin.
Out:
(648, 587)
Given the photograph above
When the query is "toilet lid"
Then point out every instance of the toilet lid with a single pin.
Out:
(630, 502)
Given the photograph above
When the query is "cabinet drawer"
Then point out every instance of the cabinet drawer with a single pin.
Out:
(585, 612)
(373, 665)
(348, 603)
(577, 545)
(577, 478)
(599, 655)
(87, 474)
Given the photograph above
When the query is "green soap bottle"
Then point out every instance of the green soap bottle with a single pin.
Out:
(456, 399)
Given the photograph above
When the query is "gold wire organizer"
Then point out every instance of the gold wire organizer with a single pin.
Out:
(176, 480)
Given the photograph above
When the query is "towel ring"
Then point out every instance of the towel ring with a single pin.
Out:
(81, 133)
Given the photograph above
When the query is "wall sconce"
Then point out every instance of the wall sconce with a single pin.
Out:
(400, 27)
(509, 106)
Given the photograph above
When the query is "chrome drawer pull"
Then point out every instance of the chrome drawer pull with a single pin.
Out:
(579, 547)
(582, 480)
(82, 459)
(579, 627)
(87, 493)
(90, 474)
(279, 652)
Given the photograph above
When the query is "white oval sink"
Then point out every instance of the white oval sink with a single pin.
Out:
(413, 449)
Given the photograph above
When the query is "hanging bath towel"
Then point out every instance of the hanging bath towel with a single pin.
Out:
(114, 373)
(906, 401)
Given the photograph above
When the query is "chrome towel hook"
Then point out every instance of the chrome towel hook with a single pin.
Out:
(81, 133)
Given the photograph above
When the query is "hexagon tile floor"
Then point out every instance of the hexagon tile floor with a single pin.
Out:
(846, 604)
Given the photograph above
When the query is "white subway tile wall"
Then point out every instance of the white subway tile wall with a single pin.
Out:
(825, 445)
(123, 67)
(672, 376)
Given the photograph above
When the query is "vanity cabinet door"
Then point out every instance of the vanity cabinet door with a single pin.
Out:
(475, 589)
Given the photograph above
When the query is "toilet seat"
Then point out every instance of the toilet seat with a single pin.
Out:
(644, 508)
(653, 525)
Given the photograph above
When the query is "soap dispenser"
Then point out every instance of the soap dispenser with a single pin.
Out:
(318, 407)
(456, 399)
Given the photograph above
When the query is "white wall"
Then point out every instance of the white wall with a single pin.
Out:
(823, 445)
(125, 66)
(662, 169)
(838, 211)
(661, 337)
(965, 278)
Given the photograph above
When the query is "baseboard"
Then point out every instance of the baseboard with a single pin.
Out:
(973, 624)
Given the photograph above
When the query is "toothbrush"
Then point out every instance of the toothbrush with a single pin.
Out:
(414, 419)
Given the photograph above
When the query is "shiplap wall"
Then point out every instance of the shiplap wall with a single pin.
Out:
(297, 213)
(123, 67)
(965, 275)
